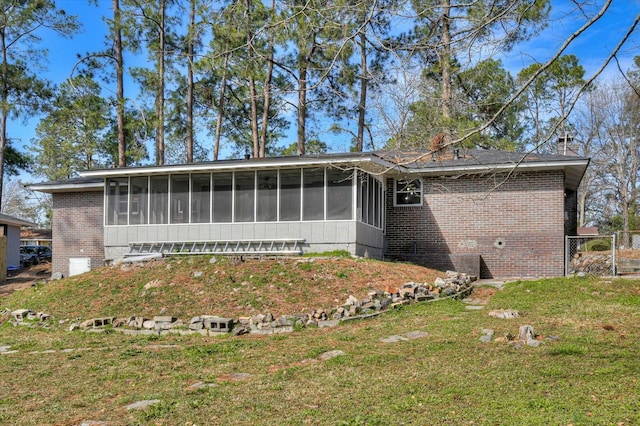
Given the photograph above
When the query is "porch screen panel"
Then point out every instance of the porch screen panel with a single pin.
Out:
(200, 198)
(245, 196)
(313, 194)
(180, 199)
(372, 202)
(339, 194)
(222, 197)
(159, 200)
(267, 196)
(117, 194)
(290, 194)
(364, 191)
(138, 200)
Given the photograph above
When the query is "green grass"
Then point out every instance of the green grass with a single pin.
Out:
(589, 376)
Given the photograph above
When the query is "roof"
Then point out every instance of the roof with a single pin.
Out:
(5, 219)
(36, 234)
(466, 161)
(69, 185)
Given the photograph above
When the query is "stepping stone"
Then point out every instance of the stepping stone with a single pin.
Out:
(416, 334)
(331, 354)
(141, 405)
(474, 307)
(393, 339)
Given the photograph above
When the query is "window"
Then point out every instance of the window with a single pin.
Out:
(245, 196)
(408, 192)
(159, 208)
(138, 200)
(222, 197)
(313, 194)
(267, 210)
(339, 194)
(200, 198)
(290, 200)
(180, 199)
(117, 194)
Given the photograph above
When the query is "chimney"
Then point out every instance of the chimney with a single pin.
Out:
(567, 147)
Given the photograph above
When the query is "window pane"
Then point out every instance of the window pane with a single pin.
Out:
(200, 198)
(339, 194)
(245, 196)
(222, 197)
(138, 200)
(290, 194)
(117, 193)
(313, 194)
(267, 196)
(180, 199)
(408, 192)
(159, 210)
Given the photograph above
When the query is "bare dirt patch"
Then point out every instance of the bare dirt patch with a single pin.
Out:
(25, 277)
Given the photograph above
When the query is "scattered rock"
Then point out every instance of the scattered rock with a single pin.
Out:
(141, 405)
(331, 354)
(504, 313)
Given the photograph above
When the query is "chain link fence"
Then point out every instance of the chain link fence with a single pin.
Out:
(590, 255)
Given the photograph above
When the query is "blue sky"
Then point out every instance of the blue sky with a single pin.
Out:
(592, 48)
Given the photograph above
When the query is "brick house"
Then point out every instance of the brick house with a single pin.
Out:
(487, 212)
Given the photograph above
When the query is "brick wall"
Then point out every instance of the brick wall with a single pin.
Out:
(516, 224)
(77, 229)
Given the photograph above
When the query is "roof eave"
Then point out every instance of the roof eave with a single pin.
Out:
(276, 162)
(68, 187)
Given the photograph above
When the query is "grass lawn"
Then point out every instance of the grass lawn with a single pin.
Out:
(587, 375)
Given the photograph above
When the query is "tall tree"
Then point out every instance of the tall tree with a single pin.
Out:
(149, 27)
(21, 90)
(448, 29)
(70, 137)
(119, 65)
(550, 96)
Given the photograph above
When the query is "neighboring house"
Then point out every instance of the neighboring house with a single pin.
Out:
(35, 237)
(11, 229)
(493, 213)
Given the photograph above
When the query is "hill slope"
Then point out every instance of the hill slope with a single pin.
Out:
(196, 285)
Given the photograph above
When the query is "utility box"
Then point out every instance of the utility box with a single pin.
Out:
(79, 265)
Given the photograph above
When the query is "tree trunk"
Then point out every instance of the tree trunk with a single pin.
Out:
(267, 90)
(4, 105)
(159, 104)
(302, 106)
(445, 63)
(117, 39)
(190, 97)
(255, 141)
(223, 86)
(364, 81)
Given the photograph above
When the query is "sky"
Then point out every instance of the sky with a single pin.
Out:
(592, 48)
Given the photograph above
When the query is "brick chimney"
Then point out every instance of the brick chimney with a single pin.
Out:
(567, 147)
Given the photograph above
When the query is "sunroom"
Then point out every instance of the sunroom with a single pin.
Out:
(243, 206)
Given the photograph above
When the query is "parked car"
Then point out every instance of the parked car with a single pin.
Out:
(32, 255)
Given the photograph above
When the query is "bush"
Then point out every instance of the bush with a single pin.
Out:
(597, 245)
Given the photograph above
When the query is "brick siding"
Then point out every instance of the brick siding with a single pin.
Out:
(77, 229)
(515, 224)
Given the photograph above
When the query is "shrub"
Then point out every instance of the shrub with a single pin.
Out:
(597, 245)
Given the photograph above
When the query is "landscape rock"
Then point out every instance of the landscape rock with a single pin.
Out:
(140, 405)
(504, 313)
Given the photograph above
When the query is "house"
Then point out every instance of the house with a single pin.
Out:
(492, 213)
(10, 228)
(35, 237)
